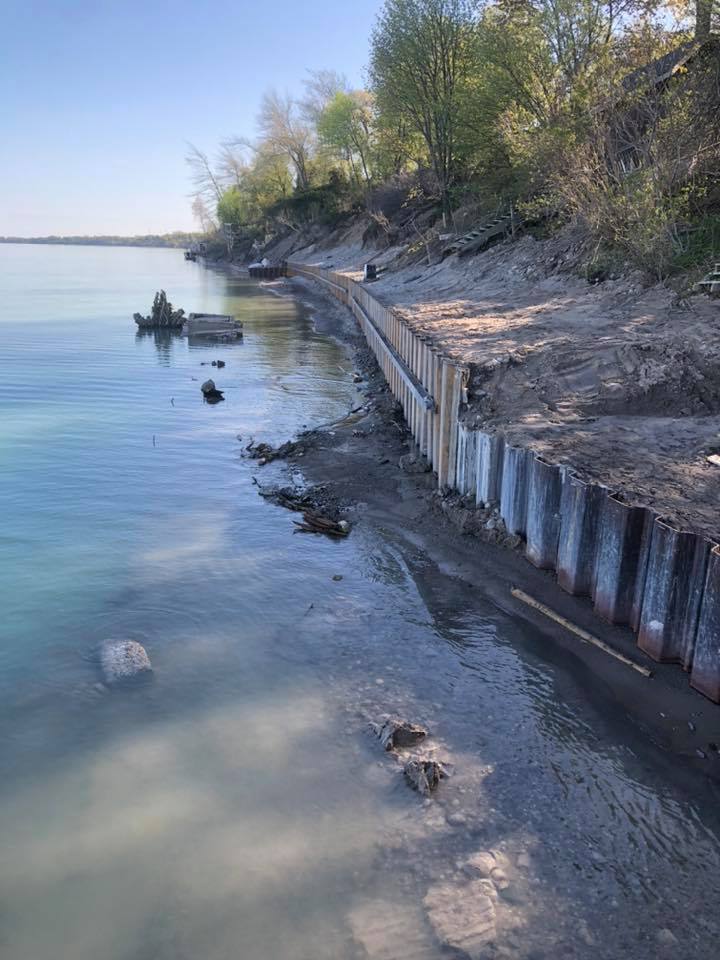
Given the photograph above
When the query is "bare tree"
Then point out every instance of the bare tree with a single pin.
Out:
(287, 132)
(232, 162)
(205, 180)
(202, 215)
(321, 86)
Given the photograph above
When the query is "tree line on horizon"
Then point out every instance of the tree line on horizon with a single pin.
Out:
(552, 106)
(178, 238)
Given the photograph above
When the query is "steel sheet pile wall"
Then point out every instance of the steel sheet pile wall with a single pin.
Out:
(427, 384)
(638, 568)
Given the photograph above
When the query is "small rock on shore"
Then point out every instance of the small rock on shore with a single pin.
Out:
(395, 733)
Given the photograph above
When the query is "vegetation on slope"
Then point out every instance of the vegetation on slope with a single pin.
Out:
(605, 113)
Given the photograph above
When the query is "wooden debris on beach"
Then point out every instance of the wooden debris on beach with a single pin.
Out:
(320, 511)
(289, 497)
(317, 523)
(265, 453)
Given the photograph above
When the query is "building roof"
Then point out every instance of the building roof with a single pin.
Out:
(657, 71)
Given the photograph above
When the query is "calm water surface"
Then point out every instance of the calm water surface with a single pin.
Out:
(236, 808)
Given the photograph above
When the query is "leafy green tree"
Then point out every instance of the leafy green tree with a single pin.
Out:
(345, 125)
(233, 208)
(422, 59)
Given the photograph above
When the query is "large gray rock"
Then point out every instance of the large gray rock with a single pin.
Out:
(122, 660)
(210, 392)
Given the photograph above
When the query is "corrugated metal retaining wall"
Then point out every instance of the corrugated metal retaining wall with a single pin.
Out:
(428, 385)
(638, 569)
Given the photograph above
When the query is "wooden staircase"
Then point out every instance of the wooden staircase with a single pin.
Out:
(480, 236)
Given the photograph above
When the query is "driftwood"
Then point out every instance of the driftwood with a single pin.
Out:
(265, 453)
(162, 315)
(317, 523)
(290, 498)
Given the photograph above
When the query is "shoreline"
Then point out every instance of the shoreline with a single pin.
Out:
(619, 381)
(641, 567)
(359, 461)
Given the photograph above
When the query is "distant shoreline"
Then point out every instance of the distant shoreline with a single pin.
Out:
(175, 241)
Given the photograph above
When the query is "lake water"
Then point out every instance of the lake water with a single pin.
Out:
(235, 808)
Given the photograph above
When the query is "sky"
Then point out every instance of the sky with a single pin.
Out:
(98, 99)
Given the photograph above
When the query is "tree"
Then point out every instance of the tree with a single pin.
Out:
(547, 65)
(707, 17)
(345, 125)
(205, 181)
(423, 55)
(202, 215)
(232, 161)
(321, 86)
(233, 208)
(287, 132)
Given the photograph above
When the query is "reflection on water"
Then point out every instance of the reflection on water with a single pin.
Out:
(164, 341)
(237, 805)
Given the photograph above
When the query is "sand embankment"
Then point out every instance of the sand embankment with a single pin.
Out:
(619, 379)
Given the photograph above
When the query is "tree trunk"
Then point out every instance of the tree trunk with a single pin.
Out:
(703, 18)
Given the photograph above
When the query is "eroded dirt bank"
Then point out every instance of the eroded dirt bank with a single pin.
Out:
(618, 379)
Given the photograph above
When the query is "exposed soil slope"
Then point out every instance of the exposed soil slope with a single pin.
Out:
(618, 379)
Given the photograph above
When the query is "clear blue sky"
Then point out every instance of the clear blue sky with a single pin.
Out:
(98, 97)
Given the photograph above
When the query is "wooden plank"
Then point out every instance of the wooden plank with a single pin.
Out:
(579, 632)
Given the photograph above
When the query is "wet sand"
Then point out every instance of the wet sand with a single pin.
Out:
(592, 843)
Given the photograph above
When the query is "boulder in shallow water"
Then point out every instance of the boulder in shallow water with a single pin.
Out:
(122, 660)
(423, 775)
(210, 392)
(395, 733)
(392, 930)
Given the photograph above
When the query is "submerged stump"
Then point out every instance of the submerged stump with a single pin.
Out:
(162, 316)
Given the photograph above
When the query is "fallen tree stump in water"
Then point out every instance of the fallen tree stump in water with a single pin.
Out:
(312, 499)
(265, 453)
(162, 315)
